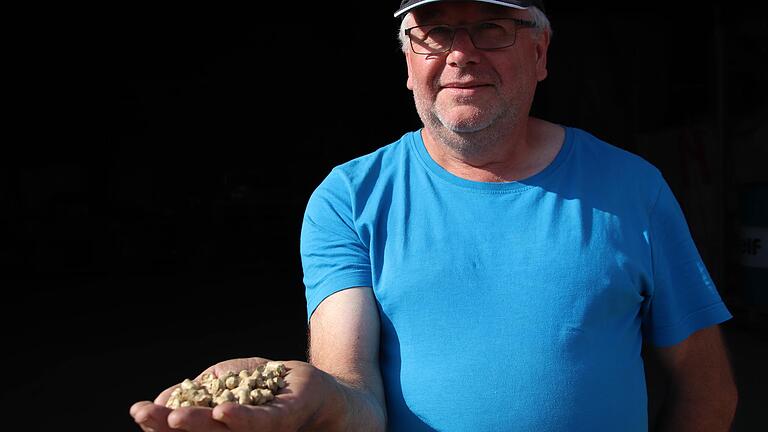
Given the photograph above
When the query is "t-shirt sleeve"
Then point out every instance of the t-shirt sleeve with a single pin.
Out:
(684, 298)
(332, 255)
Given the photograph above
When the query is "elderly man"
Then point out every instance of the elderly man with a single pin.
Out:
(491, 271)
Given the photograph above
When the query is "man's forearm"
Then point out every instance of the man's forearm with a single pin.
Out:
(704, 413)
(701, 393)
(344, 345)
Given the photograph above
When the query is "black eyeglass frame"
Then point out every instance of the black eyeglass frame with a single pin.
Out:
(518, 22)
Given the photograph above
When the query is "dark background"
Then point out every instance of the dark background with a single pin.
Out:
(155, 178)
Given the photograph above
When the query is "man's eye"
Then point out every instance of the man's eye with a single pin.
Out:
(439, 32)
(489, 26)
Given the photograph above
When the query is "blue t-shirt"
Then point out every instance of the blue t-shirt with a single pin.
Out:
(511, 306)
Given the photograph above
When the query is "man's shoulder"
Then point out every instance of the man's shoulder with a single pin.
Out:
(614, 176)
(609, 158)
(364, 172)
(378, 162)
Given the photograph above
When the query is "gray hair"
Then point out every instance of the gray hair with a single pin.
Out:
(537, 16)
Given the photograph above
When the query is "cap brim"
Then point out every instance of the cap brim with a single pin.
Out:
(423, 2)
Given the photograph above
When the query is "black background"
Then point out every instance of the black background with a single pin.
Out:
(159, 161)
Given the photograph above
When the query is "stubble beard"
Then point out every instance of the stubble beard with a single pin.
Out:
(470, 136)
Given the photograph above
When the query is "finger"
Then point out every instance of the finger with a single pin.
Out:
(137, 406)
(195, 419)
(163, 397)
(151, 417)
(248, 418)
(239, 418)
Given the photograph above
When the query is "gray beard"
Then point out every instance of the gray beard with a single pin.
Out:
(470, 140)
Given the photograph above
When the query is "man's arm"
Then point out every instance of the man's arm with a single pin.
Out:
(344, 342)
(701, 393)
(341, 391)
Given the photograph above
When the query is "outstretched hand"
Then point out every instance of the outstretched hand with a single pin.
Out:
(302, 403)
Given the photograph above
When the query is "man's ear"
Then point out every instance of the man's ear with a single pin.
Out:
(409, 81)
(542, 46)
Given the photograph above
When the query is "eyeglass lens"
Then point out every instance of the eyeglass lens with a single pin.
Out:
(492, 34)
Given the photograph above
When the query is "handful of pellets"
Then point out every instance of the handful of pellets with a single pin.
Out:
(245, 388)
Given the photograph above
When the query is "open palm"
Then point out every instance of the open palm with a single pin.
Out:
(307, 389)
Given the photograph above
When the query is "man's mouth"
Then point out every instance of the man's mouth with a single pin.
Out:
(462, 90)
(464, 86)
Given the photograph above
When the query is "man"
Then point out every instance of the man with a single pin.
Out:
(491, 271)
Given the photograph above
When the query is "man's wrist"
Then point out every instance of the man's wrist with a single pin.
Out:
(348, 408)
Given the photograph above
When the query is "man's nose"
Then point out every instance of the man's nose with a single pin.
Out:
(462, 39)
(463, 50)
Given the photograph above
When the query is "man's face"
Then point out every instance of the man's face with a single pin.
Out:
(467, 89)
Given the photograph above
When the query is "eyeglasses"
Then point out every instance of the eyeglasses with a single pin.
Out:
(485, 35)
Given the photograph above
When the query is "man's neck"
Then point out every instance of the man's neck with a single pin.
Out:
(516, 155)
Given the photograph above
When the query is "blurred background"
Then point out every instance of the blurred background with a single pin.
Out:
(159, 160)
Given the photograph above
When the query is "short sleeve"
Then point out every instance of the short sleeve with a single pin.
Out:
(684, 298)
(332, 255)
